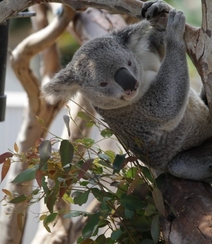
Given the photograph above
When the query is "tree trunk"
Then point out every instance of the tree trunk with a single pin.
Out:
(189, 211)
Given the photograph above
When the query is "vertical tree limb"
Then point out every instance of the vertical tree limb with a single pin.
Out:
(31, 127)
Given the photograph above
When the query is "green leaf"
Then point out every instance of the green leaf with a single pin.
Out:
(155, 230)
(147, 173)
(101, 239)
(119, 162)
(66, 154)
(67, 198)
(150, 209)
(19, 199)
(131, 202)
(50, 201)
(87, 142)
(128, 213)
(91, 226)
(66, 119)
(52, 197)
(160, 180)
(132, 172)
(75, 213)
(103, 223)
(97, 194)
(35, 192)
(141, 223)
(84, 116)
(116, 234)
(111, 154)
(45, 151)
(80, 197)
(158, 200)
(106, 133)
(104, 157)
(26, 175)
(50, 218)
(45, 185)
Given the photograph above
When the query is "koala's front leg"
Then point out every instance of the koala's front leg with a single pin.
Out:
(167, 97)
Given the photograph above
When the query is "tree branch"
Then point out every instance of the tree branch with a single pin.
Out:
(189, 211)
(129, 7)
(32, 45)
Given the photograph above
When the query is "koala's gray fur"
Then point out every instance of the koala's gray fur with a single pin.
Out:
(137, 80)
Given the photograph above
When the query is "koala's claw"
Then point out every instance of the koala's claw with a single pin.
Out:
(153, 8)
(146, 6)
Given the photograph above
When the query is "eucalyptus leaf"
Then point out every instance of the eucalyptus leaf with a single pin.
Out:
(130, 202)
(158, 199)
(75, 213)
(155, 230)
(66, 154)
(106, 133)
(26, 175)
(19, 199)
(91, 226)
(49, 219)
(80, 197)
(45, 151)
(119, 162)
(116, 234)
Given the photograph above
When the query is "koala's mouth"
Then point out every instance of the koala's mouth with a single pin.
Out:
(130, 94)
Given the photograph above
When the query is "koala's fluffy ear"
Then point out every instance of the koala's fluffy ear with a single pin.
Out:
(62, 87)
(131, 36)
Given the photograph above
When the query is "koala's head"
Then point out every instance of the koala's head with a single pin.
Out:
(103, 70)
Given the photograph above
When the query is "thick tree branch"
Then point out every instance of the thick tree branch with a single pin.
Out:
(32, 45)
(205, 43)
(199, 42)
(189, 211)
(133, 8)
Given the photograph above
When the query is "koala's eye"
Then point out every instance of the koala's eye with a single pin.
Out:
(129, 63)
(103, 84)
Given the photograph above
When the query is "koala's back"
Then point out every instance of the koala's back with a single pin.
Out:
(156, 142)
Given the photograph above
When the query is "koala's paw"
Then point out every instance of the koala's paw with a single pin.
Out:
(153, 8)
(176, 24)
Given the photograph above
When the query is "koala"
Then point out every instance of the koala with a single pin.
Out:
(137, 80)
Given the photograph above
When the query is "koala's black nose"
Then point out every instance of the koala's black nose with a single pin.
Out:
(124, 78)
